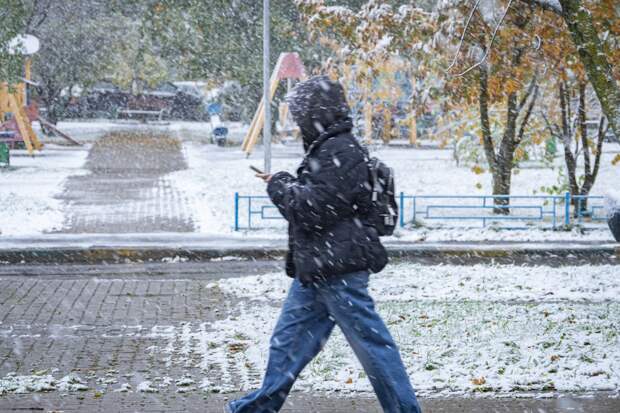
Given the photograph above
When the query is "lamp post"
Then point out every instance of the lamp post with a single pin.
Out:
(266, 91)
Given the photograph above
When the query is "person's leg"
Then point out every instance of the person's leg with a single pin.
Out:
(614, 223)
(302, 329)
(347, 300)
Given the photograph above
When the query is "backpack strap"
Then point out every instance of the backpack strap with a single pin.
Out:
(375, 180)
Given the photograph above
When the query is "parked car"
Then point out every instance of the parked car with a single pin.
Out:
(106, 100)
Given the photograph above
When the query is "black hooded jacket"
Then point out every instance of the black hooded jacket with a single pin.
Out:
(326, 203)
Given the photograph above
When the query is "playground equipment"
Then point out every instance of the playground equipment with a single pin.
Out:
(289, 66)
(16, 119)
(16, 115)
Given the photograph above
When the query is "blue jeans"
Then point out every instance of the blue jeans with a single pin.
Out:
(308, 317)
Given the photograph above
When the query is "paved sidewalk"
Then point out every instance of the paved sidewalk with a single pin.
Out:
(297, 403)
(126, 189)
(100, 322)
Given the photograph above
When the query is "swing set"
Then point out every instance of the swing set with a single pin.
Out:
(290, 67)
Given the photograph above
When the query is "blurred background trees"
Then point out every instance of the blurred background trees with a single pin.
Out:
(502, 81)
(13, 15)
(497, 59)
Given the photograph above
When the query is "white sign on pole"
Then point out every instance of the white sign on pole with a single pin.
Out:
(25, 44)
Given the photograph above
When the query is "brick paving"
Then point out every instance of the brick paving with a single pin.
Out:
(126, 190)
(297, 403)
(97, 322)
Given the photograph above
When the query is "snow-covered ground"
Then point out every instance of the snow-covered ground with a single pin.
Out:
(487, 329)
(215, 174)
(494, 330)
(28, 188)
(29, 185)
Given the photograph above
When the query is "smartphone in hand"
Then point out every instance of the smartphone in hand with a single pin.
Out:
(260, 174)
(255, 169)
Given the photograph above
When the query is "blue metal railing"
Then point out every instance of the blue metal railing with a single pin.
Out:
(258, 206)
(552, 210)
(524, 211)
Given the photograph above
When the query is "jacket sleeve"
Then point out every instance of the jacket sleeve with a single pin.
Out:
(276, 190)
(326, 194)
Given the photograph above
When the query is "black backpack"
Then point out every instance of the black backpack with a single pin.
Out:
(383, 215)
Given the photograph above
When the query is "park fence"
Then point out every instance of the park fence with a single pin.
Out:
(519, 212)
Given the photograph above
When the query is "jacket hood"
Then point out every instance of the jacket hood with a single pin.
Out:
(317, 105)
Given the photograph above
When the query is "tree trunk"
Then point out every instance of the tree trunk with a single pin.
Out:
(581, 206)
(502, 162)
(501, 186)
(592, 56)
(566, 136)
(505, 158)
(591, 174)
(50, 95)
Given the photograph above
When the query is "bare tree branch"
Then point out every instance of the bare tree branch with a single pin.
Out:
(39, 12)
(487, 50)
(527, 94)
(487, 138)
(528, 113)
(603, 127)
(43, 17)
(458, 50)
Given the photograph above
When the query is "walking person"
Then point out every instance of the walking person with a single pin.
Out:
(331, 252)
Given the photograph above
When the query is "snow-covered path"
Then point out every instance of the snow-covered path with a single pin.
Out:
(126, 189)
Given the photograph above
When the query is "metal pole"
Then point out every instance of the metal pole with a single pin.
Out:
(567, 208)
(236, 211)
(402, 210)
(266, 91)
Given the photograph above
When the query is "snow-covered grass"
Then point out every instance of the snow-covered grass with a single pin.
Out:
(409, 281)
(481, 329)
(28, 187)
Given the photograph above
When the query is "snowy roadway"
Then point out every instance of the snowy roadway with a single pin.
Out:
(116, 335)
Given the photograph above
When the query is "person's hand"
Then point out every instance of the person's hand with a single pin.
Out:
(264, 177)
